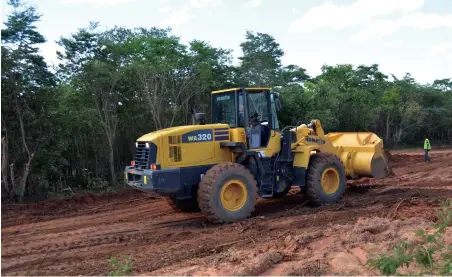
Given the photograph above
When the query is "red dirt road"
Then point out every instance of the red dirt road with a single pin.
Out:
(77, 236)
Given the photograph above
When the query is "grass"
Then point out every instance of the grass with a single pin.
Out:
(120, 268)
(427, 253)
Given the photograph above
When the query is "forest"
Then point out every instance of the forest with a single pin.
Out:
(73, 128)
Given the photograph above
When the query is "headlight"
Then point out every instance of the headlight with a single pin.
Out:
(147, 144)
(136, 144)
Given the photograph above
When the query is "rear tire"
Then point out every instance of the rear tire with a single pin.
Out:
(185, 205)
(325, 179)
(227, 193)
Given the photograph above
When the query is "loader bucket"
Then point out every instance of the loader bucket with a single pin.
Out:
(362, 154)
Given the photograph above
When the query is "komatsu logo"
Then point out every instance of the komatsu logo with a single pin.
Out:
(315, 140)
(198, 136)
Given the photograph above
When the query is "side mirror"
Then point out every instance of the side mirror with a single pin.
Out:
(277, 101)
(198, 118)
(278, 104)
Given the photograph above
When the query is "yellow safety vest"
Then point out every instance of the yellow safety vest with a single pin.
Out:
(427, 145)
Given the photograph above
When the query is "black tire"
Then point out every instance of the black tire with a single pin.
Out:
(185, 205)
(313, 189)
(211, 185)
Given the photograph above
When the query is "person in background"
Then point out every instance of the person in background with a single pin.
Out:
(427, 147)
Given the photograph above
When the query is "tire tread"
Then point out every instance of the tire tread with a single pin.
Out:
(314, 174)
(205, 188)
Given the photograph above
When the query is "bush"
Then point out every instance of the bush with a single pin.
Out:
(428, 252)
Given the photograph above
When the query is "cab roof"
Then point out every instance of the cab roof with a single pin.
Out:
(234, 89)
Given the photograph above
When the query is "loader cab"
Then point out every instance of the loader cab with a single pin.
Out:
(253, 110)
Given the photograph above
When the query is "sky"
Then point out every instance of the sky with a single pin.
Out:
(401, 36)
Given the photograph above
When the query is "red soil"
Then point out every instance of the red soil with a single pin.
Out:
(78, 235)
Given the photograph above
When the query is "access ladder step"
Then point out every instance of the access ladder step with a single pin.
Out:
(266, 188)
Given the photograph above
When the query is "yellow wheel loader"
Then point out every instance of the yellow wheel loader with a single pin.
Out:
(222, 168)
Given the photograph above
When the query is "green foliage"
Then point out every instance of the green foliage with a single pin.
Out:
(28, 104)
(111, 86)
(120, 268)
(261, 59)
(98, 184)
(428, 252)
(444, 217)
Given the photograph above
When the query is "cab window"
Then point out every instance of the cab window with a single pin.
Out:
(275, 121)
(257, 107)
(224, 110)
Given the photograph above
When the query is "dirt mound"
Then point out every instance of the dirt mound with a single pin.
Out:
(66, 206)
(330, 251)
(345, 262)
(418, 209)
(402, 158)
(362, 182)
(388, 155)
(258, 264)
(374, 225)
(81, 199)
(91, 198)
(312, 269)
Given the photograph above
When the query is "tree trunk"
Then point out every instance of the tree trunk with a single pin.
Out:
(398, 135)
(96, 165)
(5, 165)
(30, 154)
(112, 166)
(387, 126)
(23, 180)
(13, 179)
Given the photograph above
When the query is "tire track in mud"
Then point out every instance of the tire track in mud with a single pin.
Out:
(80, 239)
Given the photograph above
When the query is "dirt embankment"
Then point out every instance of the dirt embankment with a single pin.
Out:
(284, 237)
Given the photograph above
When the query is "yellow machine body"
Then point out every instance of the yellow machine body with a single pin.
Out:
(192, 145)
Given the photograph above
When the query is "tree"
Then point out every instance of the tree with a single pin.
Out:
(78, 128)
(261, 60)
(93, 62)
(165, 72)
(26, 92)
(171, 74)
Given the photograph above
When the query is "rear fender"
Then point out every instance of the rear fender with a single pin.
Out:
(302, 156)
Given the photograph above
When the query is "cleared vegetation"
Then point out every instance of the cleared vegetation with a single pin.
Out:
(285, 236)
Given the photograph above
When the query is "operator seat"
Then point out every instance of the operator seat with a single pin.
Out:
(265, 135)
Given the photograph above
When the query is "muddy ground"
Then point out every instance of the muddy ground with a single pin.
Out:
(77, 236)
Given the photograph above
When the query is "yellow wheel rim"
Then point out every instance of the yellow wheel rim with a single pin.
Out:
(330, 180)
(233, 195)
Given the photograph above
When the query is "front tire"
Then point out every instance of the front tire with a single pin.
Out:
(227, 193)
(325, 179)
